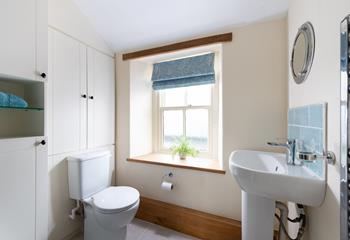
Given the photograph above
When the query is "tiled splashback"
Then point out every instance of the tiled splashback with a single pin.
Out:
(307, 125)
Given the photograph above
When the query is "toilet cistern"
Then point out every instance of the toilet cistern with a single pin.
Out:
(290, 145)
(107, 209)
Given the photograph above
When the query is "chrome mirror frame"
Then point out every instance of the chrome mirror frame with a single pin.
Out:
(308, 31)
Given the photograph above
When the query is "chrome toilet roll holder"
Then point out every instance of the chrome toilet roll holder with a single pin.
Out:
(167, 175)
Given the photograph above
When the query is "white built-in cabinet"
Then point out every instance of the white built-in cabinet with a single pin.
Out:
(23, 188)
(101, 108)
(23, 45)
(81, 96)
(23, 153)
(67, 84)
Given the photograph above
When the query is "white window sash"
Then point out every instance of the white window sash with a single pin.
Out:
(160, 138)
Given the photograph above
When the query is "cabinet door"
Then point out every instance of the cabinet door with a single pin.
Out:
(17, 188)
(42, 188)
(101, 107)
(18, 24)
(67, 85)
(41, 39)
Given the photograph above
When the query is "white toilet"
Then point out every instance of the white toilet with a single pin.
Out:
(108, 210)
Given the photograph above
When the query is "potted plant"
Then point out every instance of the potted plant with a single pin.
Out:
(184, 148)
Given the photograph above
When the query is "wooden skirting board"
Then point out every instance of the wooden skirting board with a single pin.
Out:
(192, 222)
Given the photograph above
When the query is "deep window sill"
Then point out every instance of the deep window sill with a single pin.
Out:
(199, 164)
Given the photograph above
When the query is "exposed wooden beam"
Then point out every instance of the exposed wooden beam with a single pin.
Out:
(226, 37)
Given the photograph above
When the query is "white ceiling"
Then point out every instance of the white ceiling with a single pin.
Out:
(135, 24)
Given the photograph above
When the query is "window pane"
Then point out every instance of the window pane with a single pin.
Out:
(173, 127)
(197, 128)
(174, 97)
(199, 95)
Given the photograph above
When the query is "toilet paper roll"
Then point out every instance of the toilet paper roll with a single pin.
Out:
(167, 186)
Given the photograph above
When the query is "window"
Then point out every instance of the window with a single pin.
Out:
(186, 112)
(190, 111)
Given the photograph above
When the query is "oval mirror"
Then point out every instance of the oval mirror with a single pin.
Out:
(303, 53)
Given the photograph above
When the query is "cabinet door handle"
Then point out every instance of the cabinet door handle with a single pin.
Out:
(43, 75)
(91, 97)
(83, 96)
(43, 142)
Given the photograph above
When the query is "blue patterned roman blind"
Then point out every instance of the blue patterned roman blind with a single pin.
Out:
(185, 72)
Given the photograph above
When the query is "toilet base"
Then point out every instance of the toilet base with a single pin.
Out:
(99, 234)
(93, 230)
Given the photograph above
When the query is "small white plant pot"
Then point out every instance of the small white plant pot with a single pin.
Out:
(182, 156)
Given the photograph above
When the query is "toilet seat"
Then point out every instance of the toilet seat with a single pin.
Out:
(115, 199)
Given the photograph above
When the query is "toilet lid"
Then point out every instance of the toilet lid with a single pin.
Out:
(115, 199)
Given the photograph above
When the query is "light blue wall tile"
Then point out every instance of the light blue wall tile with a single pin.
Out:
(312, 140)
(316, 115)
(291, 116)
(293, 132)
(301, 116)
(306, 125)
(317, 167)
(322, 137)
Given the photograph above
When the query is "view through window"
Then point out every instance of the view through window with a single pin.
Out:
(186, 112)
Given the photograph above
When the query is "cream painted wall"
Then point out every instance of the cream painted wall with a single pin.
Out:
(254, 111)
(322, 85)
(140, 108)
(65, 16)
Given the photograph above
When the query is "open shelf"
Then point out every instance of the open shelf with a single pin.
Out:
(23, 121)
(23, 108)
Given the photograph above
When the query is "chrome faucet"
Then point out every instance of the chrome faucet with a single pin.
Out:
(290, 145)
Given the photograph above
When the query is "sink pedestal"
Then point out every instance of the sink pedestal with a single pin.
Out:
(257, 217)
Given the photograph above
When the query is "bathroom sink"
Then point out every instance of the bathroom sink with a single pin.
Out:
(267, 175)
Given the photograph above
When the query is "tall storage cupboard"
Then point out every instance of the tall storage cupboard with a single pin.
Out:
(23, 145)
(23, 45)
(23, 186)
(81, 96)
(67, 98)
(101, 102)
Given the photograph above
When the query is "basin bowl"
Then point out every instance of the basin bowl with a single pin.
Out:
(268, 175)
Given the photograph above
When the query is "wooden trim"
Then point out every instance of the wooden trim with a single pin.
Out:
(192, 222)
(199, 164)
(226, 37)
(189, 221)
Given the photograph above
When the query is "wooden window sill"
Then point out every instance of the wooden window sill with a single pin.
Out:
(199, 164)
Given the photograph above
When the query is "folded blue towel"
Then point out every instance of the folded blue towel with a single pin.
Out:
(10, 100)
(4, 99)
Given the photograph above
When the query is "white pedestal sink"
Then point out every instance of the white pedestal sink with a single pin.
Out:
(265, 177)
